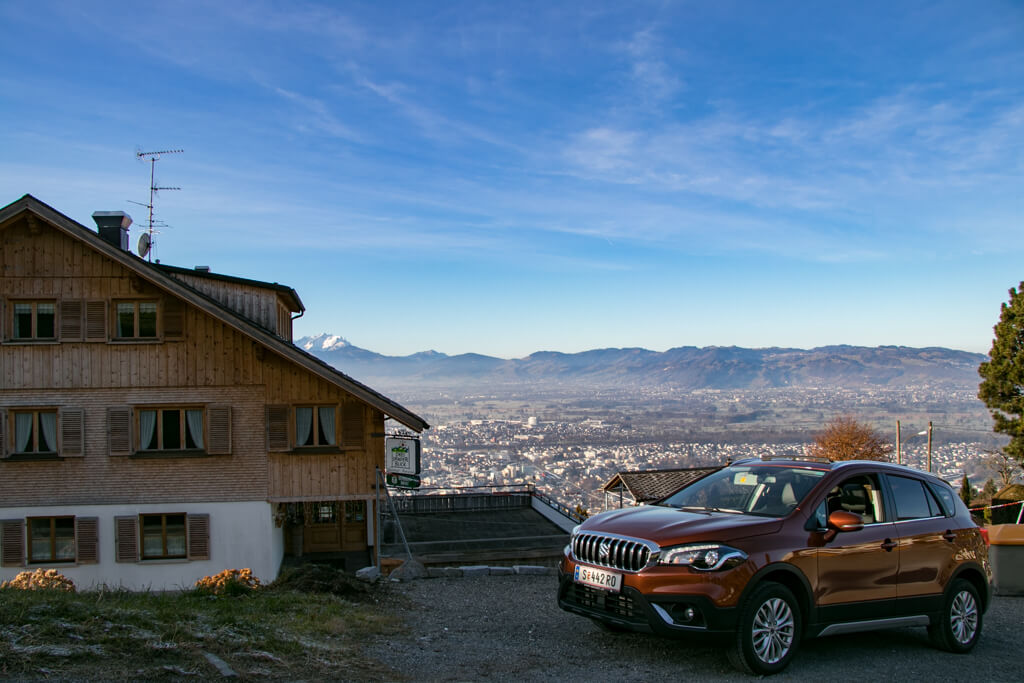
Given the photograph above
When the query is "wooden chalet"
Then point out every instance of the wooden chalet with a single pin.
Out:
(158, 425)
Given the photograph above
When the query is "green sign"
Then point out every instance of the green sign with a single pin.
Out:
(405, 481)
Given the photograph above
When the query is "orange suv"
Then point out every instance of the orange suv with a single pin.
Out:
(771, 551)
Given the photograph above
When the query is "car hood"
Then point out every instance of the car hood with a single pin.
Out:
(670, 526)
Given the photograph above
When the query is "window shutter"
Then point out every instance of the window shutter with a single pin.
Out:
(174, 319)
(96, 320)
(198, 537)
(126, 539)
(277, 428)
(87, 540)
(71, 319)
(3, 433)
(12, 542)
(72, 433)
(3, 321)
(119, 430)
(352, 425)
(218, 439)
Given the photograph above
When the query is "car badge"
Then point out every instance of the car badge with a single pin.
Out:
(604, 550)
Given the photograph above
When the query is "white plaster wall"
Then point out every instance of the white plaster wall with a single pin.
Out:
(241, 535)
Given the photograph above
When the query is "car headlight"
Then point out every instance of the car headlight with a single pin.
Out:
(705, 557)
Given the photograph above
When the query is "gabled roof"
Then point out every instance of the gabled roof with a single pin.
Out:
(649, 485)
(290, 296)
(156, 276)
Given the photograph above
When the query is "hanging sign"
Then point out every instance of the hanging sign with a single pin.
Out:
(402, 455)
(404, 481)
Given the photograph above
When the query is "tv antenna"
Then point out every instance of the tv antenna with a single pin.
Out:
(146, 239)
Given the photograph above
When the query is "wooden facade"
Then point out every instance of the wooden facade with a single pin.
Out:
(210, 364)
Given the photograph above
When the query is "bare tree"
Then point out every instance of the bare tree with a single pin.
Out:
(844, 438)
(1006, 467)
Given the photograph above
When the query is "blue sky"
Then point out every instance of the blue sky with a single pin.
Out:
(550, 176)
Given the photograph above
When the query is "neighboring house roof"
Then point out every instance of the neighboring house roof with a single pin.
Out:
(155, 275)
(1009, 494)
(649, 485)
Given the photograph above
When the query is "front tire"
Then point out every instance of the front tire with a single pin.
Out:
(768, 632)
(959, 626)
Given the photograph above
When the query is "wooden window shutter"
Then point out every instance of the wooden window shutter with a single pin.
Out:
(3, 433)
(71, 317)
(12, 542)
(119, 430)
(174, 318)
(3, 321)
(277, 428)
(87, 540)
(218, 440)
(72, 433)
(96, 320)
(198, 537)
(352, 425)
(126, 539)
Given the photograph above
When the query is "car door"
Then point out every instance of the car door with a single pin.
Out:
(857, 570)
(927, 542)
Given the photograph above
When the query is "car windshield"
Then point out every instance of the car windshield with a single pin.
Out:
(767, 490)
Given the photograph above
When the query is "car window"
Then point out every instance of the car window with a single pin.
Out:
(946, 498)
(913, 499)
(772, 491)
(860, 494)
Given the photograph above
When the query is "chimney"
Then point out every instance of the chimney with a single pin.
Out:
(113, 227)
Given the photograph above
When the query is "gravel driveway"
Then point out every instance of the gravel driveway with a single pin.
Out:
(510, 627)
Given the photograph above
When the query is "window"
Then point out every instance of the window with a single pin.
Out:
(163, 536)
(171, 429)
(33, 320)
(315, 426)
(135, 320)
(35, 431)
(51, 539)
(913, 501)
(860, 495)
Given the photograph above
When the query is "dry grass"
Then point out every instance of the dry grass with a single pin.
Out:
(274, 632)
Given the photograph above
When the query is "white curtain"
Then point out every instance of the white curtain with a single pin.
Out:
(327, 423)
(22, 431)
(303, 425)
(194, 418)
(147, 425)
(48, 426)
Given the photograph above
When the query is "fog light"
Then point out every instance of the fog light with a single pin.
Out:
(689, 614)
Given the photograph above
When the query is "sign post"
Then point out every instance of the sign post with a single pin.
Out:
(402, 462)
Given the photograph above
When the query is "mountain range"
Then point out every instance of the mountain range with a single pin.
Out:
(685, 367)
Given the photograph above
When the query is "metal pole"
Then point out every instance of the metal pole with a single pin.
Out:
(376, 525)
(929, 446)
(899, 451)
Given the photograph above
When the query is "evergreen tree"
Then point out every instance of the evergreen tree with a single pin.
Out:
(1002, 385)
(990, 489)
(965, 491)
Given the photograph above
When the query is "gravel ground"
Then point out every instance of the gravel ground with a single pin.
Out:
(510, 627)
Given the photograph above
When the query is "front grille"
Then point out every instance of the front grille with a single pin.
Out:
(614, 552)
(620, 605)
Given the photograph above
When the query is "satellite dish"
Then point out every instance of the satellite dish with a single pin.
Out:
(144, 243)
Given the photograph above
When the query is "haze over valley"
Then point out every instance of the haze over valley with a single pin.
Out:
(568, 422)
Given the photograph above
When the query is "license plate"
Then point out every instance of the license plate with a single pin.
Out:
(598, 578)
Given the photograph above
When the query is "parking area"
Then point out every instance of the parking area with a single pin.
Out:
(497, 627)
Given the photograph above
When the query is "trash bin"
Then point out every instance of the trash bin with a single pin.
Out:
(1006, 553)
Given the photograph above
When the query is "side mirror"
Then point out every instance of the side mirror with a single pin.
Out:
(841, 520)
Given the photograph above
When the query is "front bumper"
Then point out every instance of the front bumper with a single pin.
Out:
(633, 610)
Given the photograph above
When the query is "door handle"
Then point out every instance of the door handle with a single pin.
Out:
(889, 544)
(949, 536)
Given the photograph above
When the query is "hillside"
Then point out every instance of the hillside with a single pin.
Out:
(687, 367)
